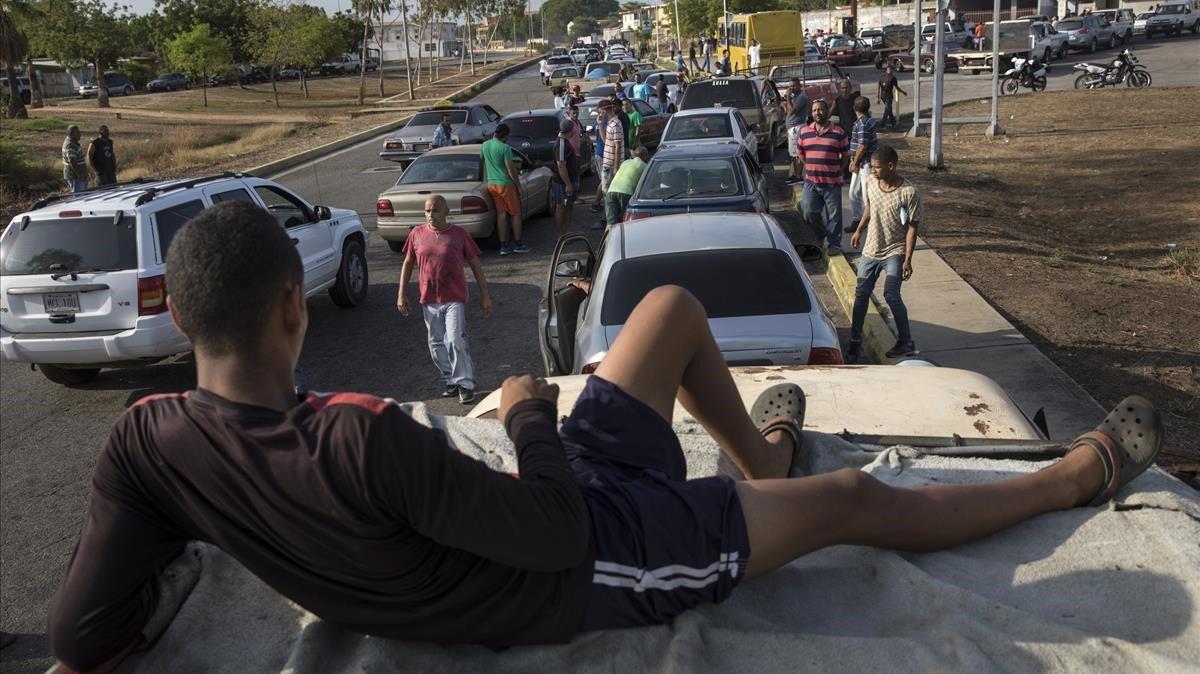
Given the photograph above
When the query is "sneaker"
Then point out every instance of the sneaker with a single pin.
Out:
(519, 247)
(902, 349)
(450, 391)
(833, 251)
(792, 180)
(853, 352)
(465, 395)
(504, 249)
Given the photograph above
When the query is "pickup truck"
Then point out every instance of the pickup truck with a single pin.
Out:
(1047, 41)
(1121, 21)
(1173, 17)
(1018, 38)
(820, 79)
(960, 35)
(340, 65)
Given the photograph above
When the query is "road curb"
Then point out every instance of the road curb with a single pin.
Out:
(279, 165)
(877, 334)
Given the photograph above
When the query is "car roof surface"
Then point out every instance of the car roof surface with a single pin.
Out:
(684, 232)
(718, 148)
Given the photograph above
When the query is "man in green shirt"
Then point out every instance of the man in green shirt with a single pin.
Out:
(635, 125)
(620, 190)
(500, 172)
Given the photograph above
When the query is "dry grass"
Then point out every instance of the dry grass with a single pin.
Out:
(193, 147)
(1186, 260)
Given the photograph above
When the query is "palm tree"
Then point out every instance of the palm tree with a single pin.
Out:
(13, 48)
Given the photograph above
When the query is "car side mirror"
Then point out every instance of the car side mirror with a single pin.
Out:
(569, 269)
(322, 212)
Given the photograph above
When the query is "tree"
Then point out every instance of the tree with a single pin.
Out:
(556, 14)
(349, 27)
(316, 39)
(270, 39)
(76, 32)
(368, 11)
(582, 26)
(14, 47)
(199, 54)
(229, 19)
(27, 15)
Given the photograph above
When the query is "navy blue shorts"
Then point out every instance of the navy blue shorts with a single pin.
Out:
(663, 543)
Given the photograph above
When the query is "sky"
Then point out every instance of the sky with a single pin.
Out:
(330, 6)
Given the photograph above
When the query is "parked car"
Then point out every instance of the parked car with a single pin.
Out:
(456, 173)
(874, 36)
(820, 79)
(169, 82)
(1087, 33)
(471, 123)
(289, 74)
(580, 56)
(1173, 17)
(904, 60)
(23, 87)
(701, 178)
(756, 97)
(1121, 20)
(1139, 23)
(116, 83)
(1048, 42)
(849, 51)
(811, 53)
(761, 305)
(549, 65)
(706, 126)
(953, 33)
(344, 64)
(83, 284)
(533, 133)
(372, 64)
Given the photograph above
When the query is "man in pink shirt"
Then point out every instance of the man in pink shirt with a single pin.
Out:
(439, 249)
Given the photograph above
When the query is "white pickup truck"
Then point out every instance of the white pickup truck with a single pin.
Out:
(1173, 17)
(1121, 21)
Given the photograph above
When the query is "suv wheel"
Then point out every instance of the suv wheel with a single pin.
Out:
(127, 91)
(350, 290)
(396, 246)
(1112, 40)
(69, 376)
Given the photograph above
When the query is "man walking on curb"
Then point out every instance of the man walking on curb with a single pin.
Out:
(890, 219)
(620, 190)
(692, 58)
(102, 159)
(888, 85)
(825, 151)
(863, 143)
(504, 185)
(706, 48)
(75, 170)
(614, 146)
(798, 110)
(439, 249)
(564, 184)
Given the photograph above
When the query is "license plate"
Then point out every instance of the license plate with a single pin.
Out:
(61, 303)
(420, 147)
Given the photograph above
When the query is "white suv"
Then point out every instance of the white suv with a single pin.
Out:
(82, 276)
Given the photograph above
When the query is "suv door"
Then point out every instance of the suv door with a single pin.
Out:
(773, 111)
(558, 310)
(312, 238)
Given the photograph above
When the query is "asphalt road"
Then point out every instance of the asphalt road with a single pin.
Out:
(49, 435)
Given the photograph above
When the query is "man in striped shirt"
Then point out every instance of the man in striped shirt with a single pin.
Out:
(614, 144)
(863, 143)
(825, 151)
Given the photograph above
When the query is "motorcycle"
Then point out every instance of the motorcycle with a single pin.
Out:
(1124, 68)
(1029, 73)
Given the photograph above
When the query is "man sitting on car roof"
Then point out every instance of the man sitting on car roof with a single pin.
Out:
(375, 523)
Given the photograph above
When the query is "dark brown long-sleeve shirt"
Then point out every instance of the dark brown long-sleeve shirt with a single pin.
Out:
(343, 504)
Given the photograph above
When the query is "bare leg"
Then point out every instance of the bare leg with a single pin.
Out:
(502, 225)
(787, 519)
(666, 351)
(517, 226)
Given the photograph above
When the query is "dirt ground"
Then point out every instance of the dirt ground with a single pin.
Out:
(173, 135)
(1066, 226)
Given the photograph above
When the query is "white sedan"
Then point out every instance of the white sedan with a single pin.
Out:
(705, 126)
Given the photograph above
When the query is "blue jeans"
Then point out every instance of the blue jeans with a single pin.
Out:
(889, 118)
(77, 184)
(821, 207)
(868, 274)
(663, 105)
(447, 326)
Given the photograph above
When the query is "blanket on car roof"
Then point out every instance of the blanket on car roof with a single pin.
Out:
(1107, 589)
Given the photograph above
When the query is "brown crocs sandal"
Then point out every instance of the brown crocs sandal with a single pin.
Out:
(781, 408)
(1127, 441)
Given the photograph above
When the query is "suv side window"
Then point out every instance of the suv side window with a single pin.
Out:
(236, 194)
(287, 209)
(168, 221)
(492, 115)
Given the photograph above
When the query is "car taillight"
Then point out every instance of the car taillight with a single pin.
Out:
(152, 295)
(395, 146)
(590, 367)
(473, 206)
(824, 356)
(383, 207)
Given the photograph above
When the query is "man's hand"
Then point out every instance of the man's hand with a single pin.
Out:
(906, 269)
(402, 304)
(486, 302)
(856, 237)
(525, 387)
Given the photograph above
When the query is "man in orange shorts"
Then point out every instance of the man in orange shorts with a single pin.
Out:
(500, 172)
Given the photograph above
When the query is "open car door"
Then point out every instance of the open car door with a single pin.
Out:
(558, 311)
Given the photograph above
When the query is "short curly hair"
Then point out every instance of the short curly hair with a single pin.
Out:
(226, 268)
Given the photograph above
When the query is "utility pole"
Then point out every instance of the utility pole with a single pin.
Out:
(939, 71)
(916, 130)
(678, 43)
(994, 128)
(407, 64)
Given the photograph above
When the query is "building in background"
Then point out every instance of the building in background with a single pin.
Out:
(439, 38)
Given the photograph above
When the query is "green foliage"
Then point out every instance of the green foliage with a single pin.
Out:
(556, 14)
(76, 32)
(140, 74)
(581, 26)
(315, 39)
(350, 30)
(20, 167)
(229, 19)
(42, 124)
(198, 53)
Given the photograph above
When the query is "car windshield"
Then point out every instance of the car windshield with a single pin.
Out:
(533, 127)
(1145, 15)
(1171, 9)
(68, 244)
(446, 168)
(751, 282)
(602, 91)
(841, 42)
(872, 33)
(691, 127)
(729, 93)
(559, 60)
(606, 68)
(683, 178)
(1069, 25)
(434, 118)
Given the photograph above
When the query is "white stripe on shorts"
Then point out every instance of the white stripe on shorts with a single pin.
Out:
(667, 577)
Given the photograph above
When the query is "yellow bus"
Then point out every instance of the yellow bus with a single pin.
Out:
(779, 33)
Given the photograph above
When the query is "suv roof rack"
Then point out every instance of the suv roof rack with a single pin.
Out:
(146, 196)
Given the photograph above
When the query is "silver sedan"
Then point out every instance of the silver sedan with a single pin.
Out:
(760, 302)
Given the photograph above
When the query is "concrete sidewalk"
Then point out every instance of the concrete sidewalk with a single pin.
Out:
(953, 326)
